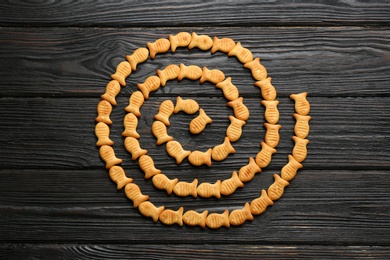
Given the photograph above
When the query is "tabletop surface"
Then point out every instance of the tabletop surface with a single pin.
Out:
(56, 197)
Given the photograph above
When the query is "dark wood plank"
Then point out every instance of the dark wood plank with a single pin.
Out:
(199, 13)
(63, 62)
(207, 251)
(59, 133)
(319, 207)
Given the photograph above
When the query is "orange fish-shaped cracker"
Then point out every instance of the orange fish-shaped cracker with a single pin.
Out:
(258, 71)
(214, 76)
(112, 90)
(271, 113)
(152, 83)
(189, 106)
(239, 216)
(148, 209)
(207, 190)
(108, 155)
(104, 110)
(247, 172)
(203, 42)
(182, 39)
(221, 151)
(240, 110)
(301, 128)
(130, 122)
(133, 192)
(224, 45)
(136, 101)
(263, 158)
(170, 72)
(159, 46)
(198, 158)
(268, 91)
(133, 147)
(215, 220)
(260, 204)
(102, 132)
(162, 182)
(243, 54)
(176, 151)
(184, 189)
(229, 90)
(159, 130)
(302, 106)
(272, 136)
(123, 70)
(165, 111)
(170, 217)
(198, 124)
(234, 130)
(146, 164)
(193, 218)
(118, 175)
(139, 55)
(192, 72)
(275, 191)
(228, 186)
(289, 171)
(300, 150)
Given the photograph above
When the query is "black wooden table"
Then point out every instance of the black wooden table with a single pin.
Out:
(56, 198)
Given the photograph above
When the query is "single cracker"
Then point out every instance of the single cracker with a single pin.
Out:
(199, 158)
(263, 158)
(159, 46)
(165, 111)
(260, 204)
(229, 186)
(258, 71)
(146, 164)
(191, 72)
(234, 130)
(130, 122)
(240, 110)
(215, 220)
(203, 42)
(289, 171)
(182, 39)
(112, 90)
(247, 172)
(170, 217)
(102, 132)
(214, 76)
(221, 151)
(229, 90)
(207, 190)
(104, 110)
(268, 91)
(168, 73)
(243, 54)
(302, 106)
(176, 151)
(123, 70)
(133, 147)
(139, 55)
(239, 216)
(133, 193)
(271, 113)
(224, 45)
(300, 150)
(184, 189)
(301, 128)
(136, 101)
(272, 136)
(162, 182)
(148, 209)
(193, 218)
(152, 83)
(189, 106)
(118, 175)
(159, 130)
(198, 124)
(108, 155)
(275, 191)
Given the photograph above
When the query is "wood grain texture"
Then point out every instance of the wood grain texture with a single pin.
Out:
(189, 13)
(64, 62)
